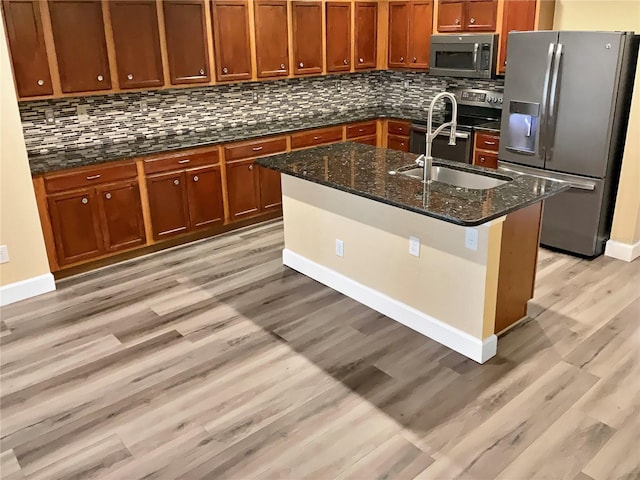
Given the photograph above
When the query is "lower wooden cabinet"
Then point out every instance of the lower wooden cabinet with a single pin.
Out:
(168, 204)
(205, 196)
(243, 187)
(120, 215)
(395, 142)
(270, 189)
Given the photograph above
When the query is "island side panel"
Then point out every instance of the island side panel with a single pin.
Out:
(518, 263)
(447, 282)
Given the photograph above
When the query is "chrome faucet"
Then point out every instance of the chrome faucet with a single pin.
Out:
(428, 162)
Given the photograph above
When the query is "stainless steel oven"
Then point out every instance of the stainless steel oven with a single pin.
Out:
(460, 152)
(467, 55)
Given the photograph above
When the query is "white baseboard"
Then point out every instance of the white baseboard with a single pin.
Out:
(31, 287)
(469, 346)
(622, 251)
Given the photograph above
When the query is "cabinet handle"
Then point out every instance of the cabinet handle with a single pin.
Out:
(472, 21)
(457, 21)
(257, 149)
(486, 142)
(186, 160)
(402, 59)
(130, 76)
(93, 177)
(345, 62)
(282, 66)
(415, 59)
(317, 138)
(361, 130)
(202, 71)
(85, 200)
(225, 70)
(301, 65)
(107, 196)
(251, 167)
(41, 82)
(361, 60)
(195, 178)
(176, 182)
(505, 63)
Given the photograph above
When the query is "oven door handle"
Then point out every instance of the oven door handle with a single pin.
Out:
(476, 46)
(463, 135)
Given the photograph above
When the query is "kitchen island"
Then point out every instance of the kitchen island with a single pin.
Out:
(456, 264)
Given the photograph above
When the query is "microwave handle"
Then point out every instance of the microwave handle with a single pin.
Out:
(476, 46)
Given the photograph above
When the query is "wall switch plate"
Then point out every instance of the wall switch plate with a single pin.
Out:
(144, 108)
(338, 86)
(405, 84)
(4, 254)
(49, 117)
(254, 96)
(471, 238)
(83, 113)
(339, 248)
(414, 246)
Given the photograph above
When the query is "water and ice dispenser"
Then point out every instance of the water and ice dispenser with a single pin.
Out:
(522, 129)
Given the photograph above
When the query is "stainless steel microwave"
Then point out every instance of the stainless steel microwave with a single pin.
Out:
(467, 55)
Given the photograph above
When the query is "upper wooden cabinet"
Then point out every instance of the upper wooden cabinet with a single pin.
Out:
(81, 48)
(467, 15)
(272, 37)
(28, 51)
(518, 15)
(307, 37)
(366, 34)
(187, 43)
(410, 26)
(231, 40)
(137, 43)
(338, 35)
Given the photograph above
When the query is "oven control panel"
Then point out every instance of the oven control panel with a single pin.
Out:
(481, 98)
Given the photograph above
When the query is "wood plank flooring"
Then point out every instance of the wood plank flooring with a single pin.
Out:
(214, 361)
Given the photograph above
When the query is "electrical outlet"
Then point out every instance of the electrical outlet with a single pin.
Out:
(471, 238)
(338, 86)
(255, 97)
(49, 117)
(4, 254)
(83, 113)
(339, 248)
(414, 246)
(405, 84)
(144, 108)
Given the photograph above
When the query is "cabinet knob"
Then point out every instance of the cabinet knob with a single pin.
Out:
(130, 76)
(472, 21)
(85, 200)
(40, 82)
(402, 59)
(361, 60)
(251, 167)
(100, 78)
(195, 178)
(414, 60)
(457, 21)
(202, 71)
(176, 182)
(283, 66)
(225, 70)
(505, 63)
(301, 65)
(107, 196)
(345, 62)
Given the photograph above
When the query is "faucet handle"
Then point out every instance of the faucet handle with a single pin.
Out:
(420, 160)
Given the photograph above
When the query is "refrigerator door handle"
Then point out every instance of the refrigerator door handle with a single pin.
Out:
(545, 97)
(553, 109)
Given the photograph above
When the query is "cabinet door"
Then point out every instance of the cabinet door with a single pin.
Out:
(366, 38)
(272, 38)
(186, 33)
(481, 15)
(76, 225)
(450, 16)
(231, 40)
(398, 34)
(204, 187)
(168, 204)
(121, 215)
(307, 37)
(420, 25)
(28, 52)
(137, 43)
(243, 189)
(270, 189)
(338, 36)
(398, 143)
(519, 15)
(81, 48)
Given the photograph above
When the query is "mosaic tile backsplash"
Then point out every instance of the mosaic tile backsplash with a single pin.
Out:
(120, 117)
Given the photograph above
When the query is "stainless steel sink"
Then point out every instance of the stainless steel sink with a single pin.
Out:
(451, 176)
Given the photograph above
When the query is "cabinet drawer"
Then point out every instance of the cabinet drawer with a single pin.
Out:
(316, 137)
(399, 128)
(485, 141)
(180, 160)
(486, 159)
(372, 140)
(398, 143)
(255, 148)
(361, 129)
(59, 182)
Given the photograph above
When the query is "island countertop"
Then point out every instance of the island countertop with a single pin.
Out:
(364, 170)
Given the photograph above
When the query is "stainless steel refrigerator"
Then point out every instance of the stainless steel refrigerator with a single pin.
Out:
(566, 106)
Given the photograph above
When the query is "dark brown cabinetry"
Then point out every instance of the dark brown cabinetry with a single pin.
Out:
(410, 34)
(243, 185)
(398, 135)
(205, 196)
(450, 16)
(365, 36)
(28, 51)
(270, 189)
(120, 215)
(485, 150)
(467, 15)
(518, 15)
(338, 36)
(186, 38)
(307, 37)
(168, 204)
(231, 40)
(137, 43)
(272, 38)
(81, 49)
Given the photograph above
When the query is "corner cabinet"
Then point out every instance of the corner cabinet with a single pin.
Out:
(231, 40)
(410, 24)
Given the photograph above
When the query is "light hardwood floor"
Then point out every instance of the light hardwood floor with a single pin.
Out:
(214, 361)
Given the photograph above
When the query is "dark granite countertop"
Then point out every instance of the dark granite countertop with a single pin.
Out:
(61, 159)
(364, 170)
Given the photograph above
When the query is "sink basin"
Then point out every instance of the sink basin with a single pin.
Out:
(451, 176)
